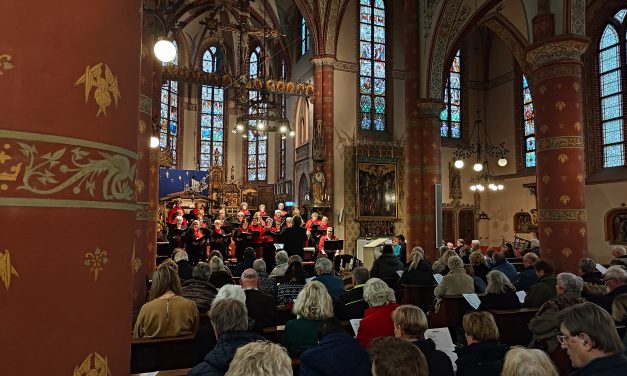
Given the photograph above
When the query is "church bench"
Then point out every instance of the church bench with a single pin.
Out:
(154, 354)
(284, 314)
(419, 295)
(275, 333)
(519, 266)
(513, 325)
(515, 260)
(451, 313)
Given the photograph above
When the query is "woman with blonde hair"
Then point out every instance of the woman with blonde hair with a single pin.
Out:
(167, 314)
(520, 361)
(260, 358)
(377, 321)
(418, 271)
(313, 304)
(441, 266)
(500, 293)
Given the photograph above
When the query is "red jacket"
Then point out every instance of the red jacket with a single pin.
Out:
(377, 322)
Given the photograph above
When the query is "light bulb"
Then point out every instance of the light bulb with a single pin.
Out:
(283, 128)
(283, 137)
(500, 187)
(239, 127)
(459, 163)
(492, 187)
(165, 50)
(292, 133)
(480, 188)
(473, 187)
(502, 162)
(154, 142)
(477, 167)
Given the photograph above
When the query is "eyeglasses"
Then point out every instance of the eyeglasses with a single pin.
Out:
(561, 338)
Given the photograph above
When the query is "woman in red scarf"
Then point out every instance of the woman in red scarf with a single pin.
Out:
(327, 236)
(262, 210)
(258, 241)
(312, 221)
(241, 238)
(243, 208)
(196, 243)
(219, 240)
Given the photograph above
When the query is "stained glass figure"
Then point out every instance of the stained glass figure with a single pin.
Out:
(257, 141)
(451, 117)
(168, 114)
(211, 109)
(529, 131)
(372, 69)
(304, 37)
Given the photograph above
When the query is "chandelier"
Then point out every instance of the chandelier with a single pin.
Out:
(481, 149)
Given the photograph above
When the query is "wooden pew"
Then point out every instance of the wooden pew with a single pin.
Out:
(450, 314)
(519, 266)
(284, 314)
(154, 354)
(513, 325)
(419, 295)
(275, 333)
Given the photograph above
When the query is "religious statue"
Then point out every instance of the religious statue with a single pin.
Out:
(317, 185)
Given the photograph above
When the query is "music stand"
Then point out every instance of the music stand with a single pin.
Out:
(333, 245)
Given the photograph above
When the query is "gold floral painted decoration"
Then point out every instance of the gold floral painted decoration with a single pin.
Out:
(548, 231)
(564, 199)
(93, 365)
(9, 173)
(5, 63)
(95, 261)
(106, 85)
(546, 179)
(139, 185)
(563, 158)
(566, 252)
(6, 269)
(582, 231)
(142, 126)
(560, 105)
(136, 262)
(578, 126)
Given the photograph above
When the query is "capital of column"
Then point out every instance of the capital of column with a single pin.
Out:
(568, 48)
(323, 60)
(429, 107)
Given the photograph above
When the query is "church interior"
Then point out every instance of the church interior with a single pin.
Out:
(495, 122)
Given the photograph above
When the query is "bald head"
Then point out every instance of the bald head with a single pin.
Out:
(249, 279)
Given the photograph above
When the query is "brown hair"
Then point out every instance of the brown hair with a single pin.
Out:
(164, 279)
(544, 265)
(228, 315)
(481, 326)
(412, 320)
(396, 357)
(594, 321)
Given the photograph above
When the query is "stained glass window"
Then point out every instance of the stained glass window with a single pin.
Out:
(372, 77)
(450, 117)
(168, 119)
(304, 37)
(211, 115)
(529, 128)
(257, 142)
(612, 69)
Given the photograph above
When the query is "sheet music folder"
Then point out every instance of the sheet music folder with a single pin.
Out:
(333, 245)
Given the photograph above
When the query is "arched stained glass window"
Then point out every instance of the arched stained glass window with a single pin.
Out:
(372, 77)
(304, 37)
(612, 67)
(211, 115)
(451, 116)
(257, 145)
(529, 128)
(169, 116)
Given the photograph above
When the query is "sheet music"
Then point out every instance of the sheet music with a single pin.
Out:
(521, 296)
(473, 300)
(307, 280)
(355, 324)
(444, 343)
(278, 246)
(400, 273)
(601, 268)
(438, 278)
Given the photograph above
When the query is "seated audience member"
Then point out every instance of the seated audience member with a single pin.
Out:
(351, 304)
(534, 246)
(402, 253)
(502, 265)
(396, 357)
(337, 353)
(334, 285)
(220, 274)
(418, 271)
(479, 265)
(261, 358)
(619, 314)
(377, 321)
(410, 324)
(247, 261)
(591, 341)
(281, 264)
(294, 258)
(544, 289)
(293, 284)
(184, 267)
(455, 282)
(480, 286)
(520, 361)
(266, 284)
(589, 273)
(441, 266)
(616, 279)
(424, 258)
(261, 307)
(508, 250)
(484, 354)
(167, 313)
(229, 319)
(500, 293)
(198, 289)
(620, 254)
(528, 276)
(386, 265)
(231, 292)
(312, 305)
(216, 253)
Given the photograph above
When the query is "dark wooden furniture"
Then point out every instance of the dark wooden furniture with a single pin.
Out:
(513, 325)
(156, 354)
(419, 295)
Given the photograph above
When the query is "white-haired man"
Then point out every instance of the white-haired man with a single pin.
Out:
(616, 279)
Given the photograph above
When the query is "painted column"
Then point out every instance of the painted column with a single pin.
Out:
(560, 171)
(68, 169)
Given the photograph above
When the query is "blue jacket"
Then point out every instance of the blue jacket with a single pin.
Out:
(217, 361)
(336, 354)
(526, 278)
(334, 285)
(508, 269)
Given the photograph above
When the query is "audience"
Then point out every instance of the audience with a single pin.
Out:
(478, 283)
(479, 266)
(484, 354)
(418, 271)
(167, 313)
(351, 304)
(387, 265)
(591, 341)
(229, 319)
(620, 254)
(281, 258)
(312, 305)
(410, 324)
(294, 258)
(500, 293)
(544, 288)
(220, 274)
(337, 353)
(619, 314)
(267, 284)
(261, 307)
(441, 266)
(377, 321)
(534, 246)
(198, 289)
(528, 276)
(294, 283)
(520, 361)
(502, 265)
(334, 285)
(247, 261)
(616, 279)
(402, 254)
(455, 282)
(544, 325)
(184, 267)
(589, 273)
(396, 357)
(260, 358)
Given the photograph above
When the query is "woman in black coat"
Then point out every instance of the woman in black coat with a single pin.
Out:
(418, 272)
(500, 293)
(294, 238)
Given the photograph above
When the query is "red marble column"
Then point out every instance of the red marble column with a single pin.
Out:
(560, 172)
(69, 79)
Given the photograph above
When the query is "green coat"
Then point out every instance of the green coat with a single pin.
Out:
(540, 292)
(300, 335)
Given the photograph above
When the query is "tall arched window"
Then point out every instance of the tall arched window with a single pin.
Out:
(529, 127)
(168, 130)
(372, 78)
(304, 37)
(211, 115)
(451, 116)
(612, 71)
(257, 149)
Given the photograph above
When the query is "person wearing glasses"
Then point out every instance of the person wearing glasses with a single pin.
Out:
(591, 341)
(616, 279)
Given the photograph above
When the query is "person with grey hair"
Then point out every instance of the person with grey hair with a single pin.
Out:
(267, 284)
(534, 246)
(351, 304)
(281, 259)
(261, 307)
(528, 276)
(334, 285)
(500, 293)
(230, 326)
(231, 292)
(616, 279)
(619, 254)
(199, 289)
(184, 266)
(377, 321)
(545, 325)
(455, 282)
(589, 273)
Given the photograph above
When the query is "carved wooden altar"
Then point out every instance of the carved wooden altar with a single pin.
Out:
(459, 221)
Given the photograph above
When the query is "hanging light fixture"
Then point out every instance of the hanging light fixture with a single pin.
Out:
(165, 50)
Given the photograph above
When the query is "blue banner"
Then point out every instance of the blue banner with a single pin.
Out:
(172, 180)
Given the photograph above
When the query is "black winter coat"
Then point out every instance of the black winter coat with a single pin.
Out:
(217, 361)
(481, 359)
(421, 275)
(336, 354)
(386, 266)
(506, 300)
(439, 363)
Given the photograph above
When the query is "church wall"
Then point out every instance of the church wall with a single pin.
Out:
(600, 199)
